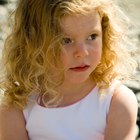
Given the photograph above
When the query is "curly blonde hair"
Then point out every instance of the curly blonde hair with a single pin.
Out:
(34, 47)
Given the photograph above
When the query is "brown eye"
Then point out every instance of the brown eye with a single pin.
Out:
(66, 41)
(92, 37)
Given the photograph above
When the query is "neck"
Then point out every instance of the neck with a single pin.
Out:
(74, 92)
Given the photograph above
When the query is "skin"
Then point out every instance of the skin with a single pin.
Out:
(121, 123)
(82, 48)
(12, 124)
(79, 50)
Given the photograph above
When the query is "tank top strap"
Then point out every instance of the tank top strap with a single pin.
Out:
(111, 91)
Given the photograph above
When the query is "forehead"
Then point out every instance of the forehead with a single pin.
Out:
(72, 24)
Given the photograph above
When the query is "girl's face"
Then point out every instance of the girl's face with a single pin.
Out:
(82, 46)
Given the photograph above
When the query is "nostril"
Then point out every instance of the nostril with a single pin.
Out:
(81, 53)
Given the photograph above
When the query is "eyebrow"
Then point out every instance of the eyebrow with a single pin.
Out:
(98, 31)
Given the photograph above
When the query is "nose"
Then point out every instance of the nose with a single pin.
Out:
(81, 50)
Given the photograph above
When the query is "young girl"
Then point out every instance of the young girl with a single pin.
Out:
(64, 62)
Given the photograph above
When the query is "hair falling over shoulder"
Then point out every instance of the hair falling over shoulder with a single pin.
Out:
(33, 48)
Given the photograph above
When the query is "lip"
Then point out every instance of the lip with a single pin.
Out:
(80, 68)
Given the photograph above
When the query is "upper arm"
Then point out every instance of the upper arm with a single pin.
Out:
(121, 123)
(12, 124)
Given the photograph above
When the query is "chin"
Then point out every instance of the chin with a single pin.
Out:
(78, 80)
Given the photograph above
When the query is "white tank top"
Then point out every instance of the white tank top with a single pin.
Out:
(83, 120)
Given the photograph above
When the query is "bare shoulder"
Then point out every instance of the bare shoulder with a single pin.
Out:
(12, 124)
(121, 123)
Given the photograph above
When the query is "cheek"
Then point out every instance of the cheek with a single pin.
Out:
(96, 53)
(64, 58)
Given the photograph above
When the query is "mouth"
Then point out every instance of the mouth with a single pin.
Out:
(80, 68)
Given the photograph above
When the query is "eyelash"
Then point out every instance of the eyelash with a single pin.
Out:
(67, 40)
(93, 37)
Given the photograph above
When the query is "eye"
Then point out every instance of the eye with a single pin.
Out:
(92, 37)
(66, 41)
